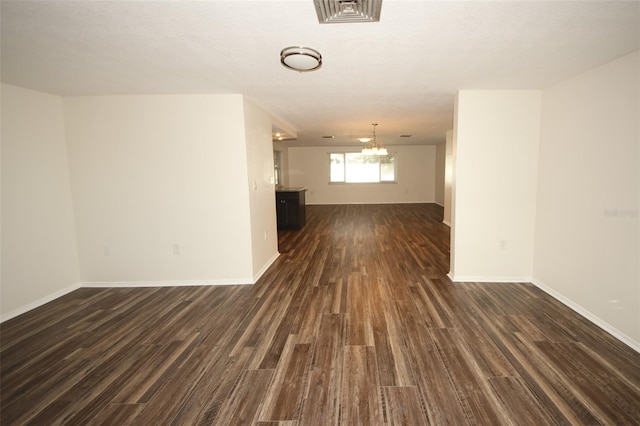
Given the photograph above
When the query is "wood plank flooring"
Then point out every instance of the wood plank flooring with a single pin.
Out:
(356, 323)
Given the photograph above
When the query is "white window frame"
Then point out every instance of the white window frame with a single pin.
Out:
(344, 162)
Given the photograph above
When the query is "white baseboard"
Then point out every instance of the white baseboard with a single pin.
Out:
(106, 284)
(446, 222)
(36, 304)
(588, 315)
(368, 202)
(559, 297)
(472, 279)
(181, 283)
(266, 266)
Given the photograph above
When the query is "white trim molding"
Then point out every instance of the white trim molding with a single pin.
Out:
(471, 279)
(37, 303)
(266, 266)
(597, 321)
(589, 316)
(182, 283)
(106, 284)
(368, 202)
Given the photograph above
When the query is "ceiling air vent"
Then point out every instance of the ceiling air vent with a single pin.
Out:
(344, 11)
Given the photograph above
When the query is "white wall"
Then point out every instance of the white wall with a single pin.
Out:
(416, 179)
(39, 252)
(284, 172)
(449, 176)
(587, 224)
(285, 166)
(160, 188)
(496, 146)
(261, 192)
(441, 161)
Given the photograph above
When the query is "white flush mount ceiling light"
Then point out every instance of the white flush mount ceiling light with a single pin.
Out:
(300, 58)
(343, 11)
(373, 147)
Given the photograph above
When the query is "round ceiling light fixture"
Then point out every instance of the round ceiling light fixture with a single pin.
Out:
(300, 58)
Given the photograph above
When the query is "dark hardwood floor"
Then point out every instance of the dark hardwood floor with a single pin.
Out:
(355, 323)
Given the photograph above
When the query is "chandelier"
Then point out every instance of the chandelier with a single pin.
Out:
(373, 147)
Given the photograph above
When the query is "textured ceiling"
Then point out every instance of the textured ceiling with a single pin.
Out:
(402, 72)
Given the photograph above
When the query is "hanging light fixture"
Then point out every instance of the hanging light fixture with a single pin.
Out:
(373, 147)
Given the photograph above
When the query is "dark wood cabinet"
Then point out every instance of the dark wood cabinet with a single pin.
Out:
(290, 207)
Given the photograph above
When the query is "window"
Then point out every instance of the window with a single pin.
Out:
(354, 167)
(277, 167)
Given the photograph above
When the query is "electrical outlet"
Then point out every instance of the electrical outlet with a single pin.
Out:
(266, 235)
(177, 250)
